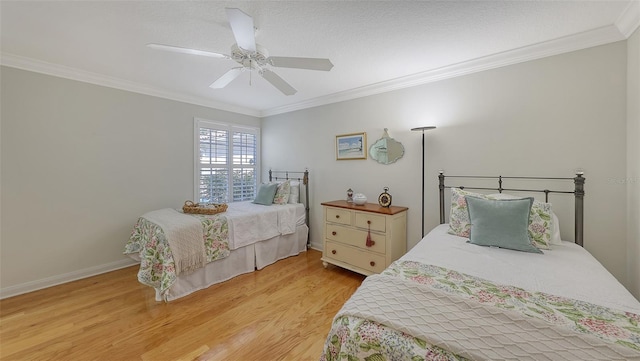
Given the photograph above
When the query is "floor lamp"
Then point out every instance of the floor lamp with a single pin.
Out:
(423, 129)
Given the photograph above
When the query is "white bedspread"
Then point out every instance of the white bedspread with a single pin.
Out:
(566, 270)
(185, 237)
(473, 329)
(250, 223)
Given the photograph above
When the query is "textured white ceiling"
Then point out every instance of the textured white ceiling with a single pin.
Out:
(372, 44)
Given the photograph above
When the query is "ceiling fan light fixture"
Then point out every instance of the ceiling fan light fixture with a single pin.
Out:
(252, 56)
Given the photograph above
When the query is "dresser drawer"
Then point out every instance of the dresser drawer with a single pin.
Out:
(355, 237)
(336, 215)
(377, 223)
(366, 260)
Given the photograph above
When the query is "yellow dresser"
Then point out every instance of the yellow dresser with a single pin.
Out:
(348, 226)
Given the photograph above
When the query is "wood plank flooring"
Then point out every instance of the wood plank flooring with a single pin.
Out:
(282, 312)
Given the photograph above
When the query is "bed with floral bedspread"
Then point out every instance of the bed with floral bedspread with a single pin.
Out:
(358, 338)
(157, 266)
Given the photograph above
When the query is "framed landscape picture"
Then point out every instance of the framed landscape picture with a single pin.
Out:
(351, 146)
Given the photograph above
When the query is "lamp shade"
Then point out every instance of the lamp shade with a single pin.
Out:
(423, 128)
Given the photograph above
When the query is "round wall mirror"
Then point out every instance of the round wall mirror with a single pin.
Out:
(386, 150)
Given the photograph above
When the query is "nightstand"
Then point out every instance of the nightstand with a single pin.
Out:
(346, 228)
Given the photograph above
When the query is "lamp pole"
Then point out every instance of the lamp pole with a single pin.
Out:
(423, 129)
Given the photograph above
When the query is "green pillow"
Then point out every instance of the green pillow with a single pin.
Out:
(266, 193)
(501, 223)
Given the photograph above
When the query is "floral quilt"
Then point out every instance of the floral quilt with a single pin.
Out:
(353, 338)
(157, 266)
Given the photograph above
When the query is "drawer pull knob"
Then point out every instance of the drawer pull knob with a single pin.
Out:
(368, 222)
(333, 251)
(370, 242)
(372, 264)
(337, 216)
(334, 233)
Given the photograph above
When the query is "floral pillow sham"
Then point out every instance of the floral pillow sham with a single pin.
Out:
(282, 193)
(540, 217)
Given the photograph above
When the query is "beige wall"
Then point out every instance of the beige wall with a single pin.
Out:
(545, 117)
(80, 163)
(633, 163)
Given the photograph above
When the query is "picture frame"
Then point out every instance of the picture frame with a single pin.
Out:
(351, 146)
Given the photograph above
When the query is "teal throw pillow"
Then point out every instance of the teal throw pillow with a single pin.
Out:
(501, 223)
(266, 193)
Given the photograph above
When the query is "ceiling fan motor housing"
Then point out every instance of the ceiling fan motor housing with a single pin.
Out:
(250, 59)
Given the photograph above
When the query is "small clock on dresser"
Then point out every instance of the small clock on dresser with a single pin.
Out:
(384, 199)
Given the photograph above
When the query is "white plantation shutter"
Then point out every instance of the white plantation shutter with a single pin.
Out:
(227, 158)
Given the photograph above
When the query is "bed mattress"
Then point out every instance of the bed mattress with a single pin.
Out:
(245, 238)
(447, 299)
(567, 270)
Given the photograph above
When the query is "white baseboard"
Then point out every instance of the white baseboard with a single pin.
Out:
(316, 246)
(6, 292)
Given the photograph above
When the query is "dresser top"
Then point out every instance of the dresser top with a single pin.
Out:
(367, 207)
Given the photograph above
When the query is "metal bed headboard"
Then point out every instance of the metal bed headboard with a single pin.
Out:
(301, 177)
(578, 193)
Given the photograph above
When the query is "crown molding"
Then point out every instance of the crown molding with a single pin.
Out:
(627, 23)
(629, 20)
(587, 39)
(29, 64)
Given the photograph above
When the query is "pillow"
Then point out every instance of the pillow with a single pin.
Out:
(540, 220)
(295, 187)
(459, 215)
(555, 233)
(501, 223)
(282, 193)
(266, 193)
(295, 191)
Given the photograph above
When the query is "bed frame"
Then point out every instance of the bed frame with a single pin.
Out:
(303, 177)
(578, 193)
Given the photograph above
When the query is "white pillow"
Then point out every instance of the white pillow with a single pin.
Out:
(500, 196)
(555, 230)
(294, 192)
(295, 187)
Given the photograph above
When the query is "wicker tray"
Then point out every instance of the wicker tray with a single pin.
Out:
(196, 208)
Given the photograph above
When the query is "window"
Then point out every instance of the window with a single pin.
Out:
(226, 160)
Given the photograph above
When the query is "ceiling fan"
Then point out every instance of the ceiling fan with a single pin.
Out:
(252, 56)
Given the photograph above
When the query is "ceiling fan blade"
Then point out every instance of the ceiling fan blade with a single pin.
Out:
(177, 49)
(301, 63)
(226, 78)
(242, 27)
(278, 82)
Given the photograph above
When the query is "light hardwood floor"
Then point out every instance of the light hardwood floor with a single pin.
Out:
(282, 312)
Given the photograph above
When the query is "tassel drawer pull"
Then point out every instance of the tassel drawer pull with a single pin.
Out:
(370, 242)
